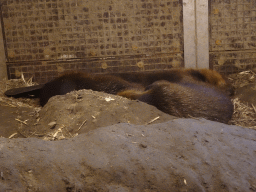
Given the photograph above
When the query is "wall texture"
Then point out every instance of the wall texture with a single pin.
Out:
(46, 37)
(232, 35)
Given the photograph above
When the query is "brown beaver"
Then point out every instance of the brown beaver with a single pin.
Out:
(117, 82)
(76, 81)
(186, 99)
(177, 76)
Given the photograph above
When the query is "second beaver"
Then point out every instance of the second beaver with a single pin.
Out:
(186, 99)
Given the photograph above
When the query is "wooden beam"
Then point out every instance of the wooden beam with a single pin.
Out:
(196, 33)
(3, 68)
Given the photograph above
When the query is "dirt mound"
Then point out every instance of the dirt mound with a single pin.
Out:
(65, 116)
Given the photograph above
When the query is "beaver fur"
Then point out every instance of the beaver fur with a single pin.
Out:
(114, 83)
(76, 81)
(186, 99)
(178, 76)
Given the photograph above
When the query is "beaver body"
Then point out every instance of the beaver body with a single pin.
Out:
(76, 81)
(186, 99)
(132, 85)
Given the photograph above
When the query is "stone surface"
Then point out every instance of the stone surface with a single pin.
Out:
(178, 155)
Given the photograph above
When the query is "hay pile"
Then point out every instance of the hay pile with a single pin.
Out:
(244, 113)
(242, 79)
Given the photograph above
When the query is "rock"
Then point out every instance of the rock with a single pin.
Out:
(179, 155)
(52, 124)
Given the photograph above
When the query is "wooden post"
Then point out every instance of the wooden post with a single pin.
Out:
(202, 31)
(3, 68)
(189, 33)
(196, 38)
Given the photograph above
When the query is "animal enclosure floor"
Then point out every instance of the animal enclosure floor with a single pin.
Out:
(21, 121)
(105, 142)
(11, 118)
(67, 116)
